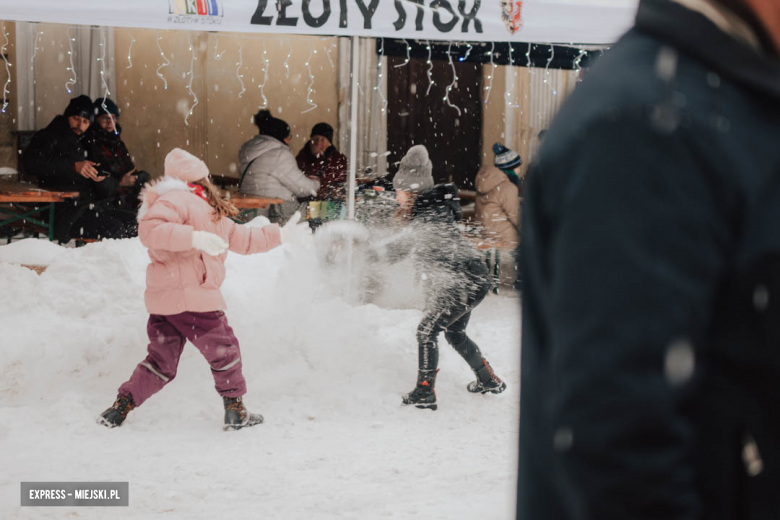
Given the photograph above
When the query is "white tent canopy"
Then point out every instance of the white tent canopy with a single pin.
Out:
(595, 22)
(549, 21)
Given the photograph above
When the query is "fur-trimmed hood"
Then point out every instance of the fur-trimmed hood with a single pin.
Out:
(153, 190)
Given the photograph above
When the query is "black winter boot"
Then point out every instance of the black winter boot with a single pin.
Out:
(423, 395)
(117, 414)
(237, 416)
(487, 381)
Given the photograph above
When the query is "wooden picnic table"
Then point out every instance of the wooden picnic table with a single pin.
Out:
(11, 191)
(249, 204)
(14, 193)
(248, 201)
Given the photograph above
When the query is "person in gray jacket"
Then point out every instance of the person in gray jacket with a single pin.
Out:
(268, 168)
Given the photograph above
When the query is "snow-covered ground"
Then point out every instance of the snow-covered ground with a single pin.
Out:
(327, 376)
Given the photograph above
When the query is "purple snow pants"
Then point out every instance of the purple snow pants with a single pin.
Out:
(209, 332)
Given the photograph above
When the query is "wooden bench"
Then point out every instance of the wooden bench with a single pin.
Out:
(20, 202)
(249, 204)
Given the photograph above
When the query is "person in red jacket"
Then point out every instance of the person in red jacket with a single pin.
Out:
(319, 159)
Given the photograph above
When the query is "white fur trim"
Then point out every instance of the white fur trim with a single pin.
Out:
(153, 190)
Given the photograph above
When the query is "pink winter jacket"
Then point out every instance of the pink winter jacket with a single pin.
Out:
(181, 278)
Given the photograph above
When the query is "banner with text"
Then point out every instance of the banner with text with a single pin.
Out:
(543, 21)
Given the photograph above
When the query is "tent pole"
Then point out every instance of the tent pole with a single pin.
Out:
(353, 100)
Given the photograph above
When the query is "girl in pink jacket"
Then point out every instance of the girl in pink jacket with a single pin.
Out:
(186, 225)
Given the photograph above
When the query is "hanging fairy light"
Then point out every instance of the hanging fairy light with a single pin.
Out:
(577, 61)
(189, 85)
(408, 50)
(287, 62)
(454, 80)
(129, 52)
(547, 70)
(265, 78)
(217, 55)
(35, 47)
(312, 104)
(106, 92)
(72, 68)
(430, 67)
(7, 71)
(508, 95)
(492, 72)
(380, 66)
(167, 62)
(327, 52)
(238, 68)
(468, 51)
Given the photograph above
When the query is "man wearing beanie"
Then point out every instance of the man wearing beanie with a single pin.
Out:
(58, 158)
(414, 176)
(498, 208)
(508, 161)
(319, 159)
(267, 168)
(106, 148)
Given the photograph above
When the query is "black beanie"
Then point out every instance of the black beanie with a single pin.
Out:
(111, 107)
(323, 129)
(269, 125)
(80, 106)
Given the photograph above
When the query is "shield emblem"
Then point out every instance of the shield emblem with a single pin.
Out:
(512, 15)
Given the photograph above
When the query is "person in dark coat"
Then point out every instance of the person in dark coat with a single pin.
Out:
(57, 156)
(105, 147)
(651, 268)
(455, 280)
(319, 159)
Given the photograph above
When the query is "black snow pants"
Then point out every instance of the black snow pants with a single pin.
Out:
(450, 312)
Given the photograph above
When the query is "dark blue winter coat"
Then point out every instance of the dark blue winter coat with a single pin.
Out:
(651, 267)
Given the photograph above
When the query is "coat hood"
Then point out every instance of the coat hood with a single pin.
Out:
(684, 29)
(155, 189)
(488, 178)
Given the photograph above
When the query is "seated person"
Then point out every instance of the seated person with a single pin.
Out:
(56, 155)
(319, 159)
(498, 207)
(106, 148)
(268, 168)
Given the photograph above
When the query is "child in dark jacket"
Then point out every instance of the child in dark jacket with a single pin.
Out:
(455, 281)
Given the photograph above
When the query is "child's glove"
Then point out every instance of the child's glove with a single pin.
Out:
(294, 233)
(209, 243)
(258, 222)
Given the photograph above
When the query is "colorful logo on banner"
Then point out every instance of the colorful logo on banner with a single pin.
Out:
(195, 11)
(512, 15)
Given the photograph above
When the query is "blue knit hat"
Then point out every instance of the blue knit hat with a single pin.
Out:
(506, 159)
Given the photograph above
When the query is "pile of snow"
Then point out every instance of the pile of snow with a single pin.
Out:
(327, 375)
(31, 251)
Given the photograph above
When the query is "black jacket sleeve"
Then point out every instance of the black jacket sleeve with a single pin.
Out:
(43, 159)
(106, 188)
(636, 244)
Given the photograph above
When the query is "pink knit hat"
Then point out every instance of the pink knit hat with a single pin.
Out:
(185, 166)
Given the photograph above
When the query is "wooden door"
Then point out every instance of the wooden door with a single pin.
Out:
(454, 142)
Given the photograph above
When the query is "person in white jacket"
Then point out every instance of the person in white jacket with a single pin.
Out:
(268, 168)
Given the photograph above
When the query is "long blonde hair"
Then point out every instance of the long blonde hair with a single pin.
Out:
(222, 206)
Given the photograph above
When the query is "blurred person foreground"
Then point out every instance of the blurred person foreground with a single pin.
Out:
(651, 270)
